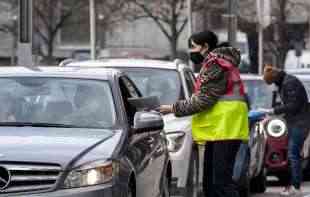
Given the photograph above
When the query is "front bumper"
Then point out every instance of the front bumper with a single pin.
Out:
(276, 159)
(93, 191)
(180, 162)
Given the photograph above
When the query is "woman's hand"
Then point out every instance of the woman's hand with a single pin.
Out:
(165, 109)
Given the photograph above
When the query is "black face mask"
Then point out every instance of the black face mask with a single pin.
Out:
(196, 57)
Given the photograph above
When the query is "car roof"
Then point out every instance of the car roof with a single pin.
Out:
(127, 63)
(251, 77)
(303, 77)
(301, 71)
(67, 72)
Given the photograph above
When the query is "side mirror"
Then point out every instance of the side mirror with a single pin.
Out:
(148, 121)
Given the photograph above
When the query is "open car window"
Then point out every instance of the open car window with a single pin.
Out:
(75, 102)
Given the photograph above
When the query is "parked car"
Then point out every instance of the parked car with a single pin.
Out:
(170, 82)
(277, 142)
(259, 96)
(79, 132)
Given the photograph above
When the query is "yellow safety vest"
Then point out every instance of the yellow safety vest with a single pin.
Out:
(226, 120)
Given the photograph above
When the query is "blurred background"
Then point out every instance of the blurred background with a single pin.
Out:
(159, 29)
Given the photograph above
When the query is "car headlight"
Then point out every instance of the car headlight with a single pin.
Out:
(175, 141)
(276, 128)
(99, 172)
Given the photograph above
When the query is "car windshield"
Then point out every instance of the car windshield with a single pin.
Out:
(259, 93)
(163, 83)
(56, 101)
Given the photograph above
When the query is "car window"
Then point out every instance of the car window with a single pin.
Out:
(163, 83)
(259, 93)
(132, 90)
(190, 82)
(76, 102)
(128, 90)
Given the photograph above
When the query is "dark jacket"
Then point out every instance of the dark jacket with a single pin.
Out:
(294, 100)
(213, 85)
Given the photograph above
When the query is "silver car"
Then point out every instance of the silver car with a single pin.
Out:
(77, 133)
(170, 81)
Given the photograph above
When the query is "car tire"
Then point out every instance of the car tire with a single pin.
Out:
(192, 185)
(259, 183)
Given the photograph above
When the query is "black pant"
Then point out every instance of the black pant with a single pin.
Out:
(219, 160)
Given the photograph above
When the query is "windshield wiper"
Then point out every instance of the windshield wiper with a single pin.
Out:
(35, 124)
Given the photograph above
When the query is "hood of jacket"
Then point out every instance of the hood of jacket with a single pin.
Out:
(228, 53)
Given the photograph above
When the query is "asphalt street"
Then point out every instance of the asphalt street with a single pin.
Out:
(274, 190)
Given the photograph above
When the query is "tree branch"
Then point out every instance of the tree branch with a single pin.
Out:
(154, 18)
(182, 27)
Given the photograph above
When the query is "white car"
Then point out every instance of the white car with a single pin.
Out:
(170, 81)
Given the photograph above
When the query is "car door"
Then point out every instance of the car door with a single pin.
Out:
(190, 82)
(143, 148)
(157, 141)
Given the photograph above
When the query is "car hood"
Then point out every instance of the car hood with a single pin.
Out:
(54, 145)
(173, 123)
(255, 115)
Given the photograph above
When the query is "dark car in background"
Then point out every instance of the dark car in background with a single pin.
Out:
(68, 132)
(274, 127)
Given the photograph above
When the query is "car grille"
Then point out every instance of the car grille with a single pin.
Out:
(28, 177)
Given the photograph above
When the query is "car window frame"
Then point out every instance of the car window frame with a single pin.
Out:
(191, 76)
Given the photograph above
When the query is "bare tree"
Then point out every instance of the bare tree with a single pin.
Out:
(10, 27)
(169, 15)
(283, 41)
(110, 13)
(49, 18)
(277, 36)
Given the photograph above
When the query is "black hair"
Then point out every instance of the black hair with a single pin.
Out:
(202, 38)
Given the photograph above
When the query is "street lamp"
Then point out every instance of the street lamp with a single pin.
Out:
(25, 33)
(190, 18)
(101, 32)
(232, 22)
(190, 25)
(92, 13)
(14, 35)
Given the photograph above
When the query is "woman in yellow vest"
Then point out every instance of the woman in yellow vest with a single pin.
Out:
(220, 113)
